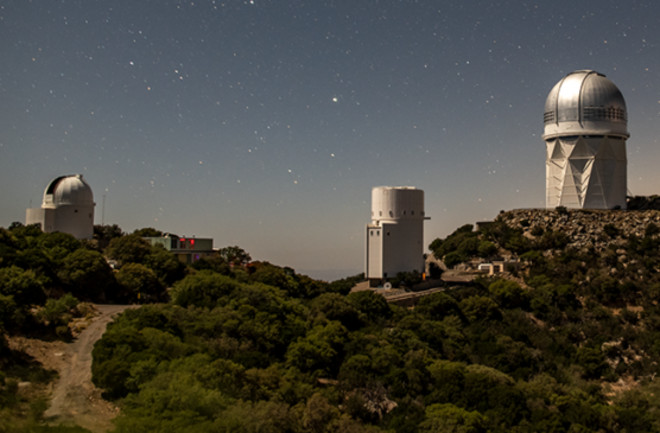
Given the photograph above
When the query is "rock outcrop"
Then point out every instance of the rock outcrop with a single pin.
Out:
(586, 229)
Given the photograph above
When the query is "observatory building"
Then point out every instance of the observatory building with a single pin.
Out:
(67, 207)
(585, 131)
(395, 236)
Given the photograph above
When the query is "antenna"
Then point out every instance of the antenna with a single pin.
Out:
(103, 211)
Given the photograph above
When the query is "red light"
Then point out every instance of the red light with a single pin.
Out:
(192, 242)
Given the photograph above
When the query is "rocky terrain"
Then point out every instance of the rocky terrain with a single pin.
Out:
(586, 229)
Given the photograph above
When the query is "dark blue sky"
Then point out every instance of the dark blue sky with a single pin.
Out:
(266, 123)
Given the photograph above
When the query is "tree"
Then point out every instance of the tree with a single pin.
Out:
(318, 414)
(448, 418)
(486, 249)
(203, 289)
(23, 285)
(12, 316)
(57, 245)
(320, 351)
(128, 249)
(448, 381)
(235, 255)
(438, 305)
(148, 232)
(493, 393)
(113, 355)
(509, 294)
(356, 372)
(336, 307)
(454, 258)
(168, 268)
(214, 263)
(103, 234)
(259, 416)
(344, 285)
(275, 276)
(20, 290)
(8, 247)
(140, 283)
(374, 307)
(88, 275)
(593, 361)
(477, 308)
(26, 236)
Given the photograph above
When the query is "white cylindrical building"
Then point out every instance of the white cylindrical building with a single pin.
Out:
(395, 236)
(585, 131)
(67, 207)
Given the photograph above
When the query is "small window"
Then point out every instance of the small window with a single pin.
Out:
(380, 213)
(391, 213)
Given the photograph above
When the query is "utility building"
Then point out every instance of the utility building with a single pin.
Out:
(395, 236)
(585, 131)
(67, 207)
(187, 250)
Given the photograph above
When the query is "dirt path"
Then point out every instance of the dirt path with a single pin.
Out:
(75, 400)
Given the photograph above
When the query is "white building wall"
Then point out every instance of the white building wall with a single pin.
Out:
(374, 248)
(75, 220)
(395, 237)
(586, 172)
(43, 216)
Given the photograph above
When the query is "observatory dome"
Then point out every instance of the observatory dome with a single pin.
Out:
(68, 190)
(585, 102)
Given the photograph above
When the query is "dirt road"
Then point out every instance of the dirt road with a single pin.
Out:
(75, 400)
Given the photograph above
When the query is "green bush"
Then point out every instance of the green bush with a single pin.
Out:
(59, 312)
(203, 289)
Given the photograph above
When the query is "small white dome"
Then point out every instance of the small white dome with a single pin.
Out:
(68, 190)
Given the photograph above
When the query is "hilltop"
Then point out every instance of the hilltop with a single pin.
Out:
(585, 228)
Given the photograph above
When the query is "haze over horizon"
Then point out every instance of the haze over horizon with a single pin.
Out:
(265, 124)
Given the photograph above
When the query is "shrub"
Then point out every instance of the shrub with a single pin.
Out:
(59, 311)
(203, 289)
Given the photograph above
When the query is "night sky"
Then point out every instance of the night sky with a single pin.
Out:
(265, 124)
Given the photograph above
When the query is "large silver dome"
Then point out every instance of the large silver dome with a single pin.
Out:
(585, 103)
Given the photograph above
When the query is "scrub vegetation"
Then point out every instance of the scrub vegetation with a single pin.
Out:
(568, 343)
